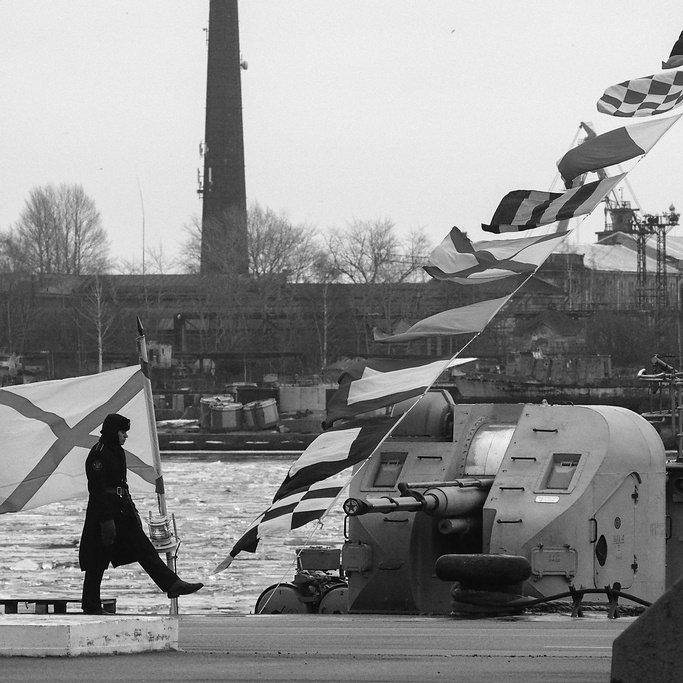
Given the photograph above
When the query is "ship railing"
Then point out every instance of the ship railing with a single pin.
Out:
(671, 378)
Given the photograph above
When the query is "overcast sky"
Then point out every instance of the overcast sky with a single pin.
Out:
(424, 112)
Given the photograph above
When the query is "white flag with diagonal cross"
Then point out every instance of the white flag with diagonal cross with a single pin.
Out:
(48, 428)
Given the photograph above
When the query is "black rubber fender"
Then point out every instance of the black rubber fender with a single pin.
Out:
(483, 569)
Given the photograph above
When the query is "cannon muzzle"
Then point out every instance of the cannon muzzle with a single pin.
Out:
(449, 499)
(355, 507)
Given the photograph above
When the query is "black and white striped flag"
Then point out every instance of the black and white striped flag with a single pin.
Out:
(527, 209)
(315, 480)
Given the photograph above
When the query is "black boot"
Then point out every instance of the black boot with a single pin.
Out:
(91, 602)
(96, 610)
(181, 587)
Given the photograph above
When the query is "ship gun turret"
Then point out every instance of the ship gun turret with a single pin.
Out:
(470, 505)
(456, 498)
(577, 492)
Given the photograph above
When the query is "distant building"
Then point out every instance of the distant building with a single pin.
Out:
(582, 300)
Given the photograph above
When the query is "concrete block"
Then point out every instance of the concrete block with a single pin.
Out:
(312, 424)
(73, 635)
(294, 398)
(649, 650)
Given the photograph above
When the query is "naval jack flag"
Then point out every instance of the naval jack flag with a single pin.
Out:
(48, 428)
(460, 260)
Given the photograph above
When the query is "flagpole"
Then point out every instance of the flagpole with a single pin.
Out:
(156, 455)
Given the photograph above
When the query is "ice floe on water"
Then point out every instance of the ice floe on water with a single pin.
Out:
(214, 501)
(24, 566)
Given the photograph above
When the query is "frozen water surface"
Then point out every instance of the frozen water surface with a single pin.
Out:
(214, 499)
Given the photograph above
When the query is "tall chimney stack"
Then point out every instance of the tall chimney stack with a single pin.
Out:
(224, 208)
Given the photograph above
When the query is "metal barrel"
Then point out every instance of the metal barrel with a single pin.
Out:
(454, 502)
(355, 507)
(449, 499)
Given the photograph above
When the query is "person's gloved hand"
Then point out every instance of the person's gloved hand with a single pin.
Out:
(108, 530)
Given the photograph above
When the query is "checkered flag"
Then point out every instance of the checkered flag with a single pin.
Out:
(315, 480)
(290, 512)
(656, 94)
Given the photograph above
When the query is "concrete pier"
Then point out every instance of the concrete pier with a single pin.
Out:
(72, 635)
(361, 648)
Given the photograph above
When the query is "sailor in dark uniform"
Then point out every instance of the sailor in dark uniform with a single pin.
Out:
(112, 531)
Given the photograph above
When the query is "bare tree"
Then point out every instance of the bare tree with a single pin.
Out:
(95, 316)
(275, 246)
(157, 262)
(324, 272)
(416, 249)
(191, 248)
(11, 258)
(59, 232)
(17, 304)
(370, 252)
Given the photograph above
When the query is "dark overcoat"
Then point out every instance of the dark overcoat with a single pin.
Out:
(109, 499)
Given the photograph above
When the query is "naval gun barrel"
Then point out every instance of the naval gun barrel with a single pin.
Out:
(449, 499)
(659, 362)
(667, 373)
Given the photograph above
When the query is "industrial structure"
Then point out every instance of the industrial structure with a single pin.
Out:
(223, 186)
(621, 216)
(624, 216)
